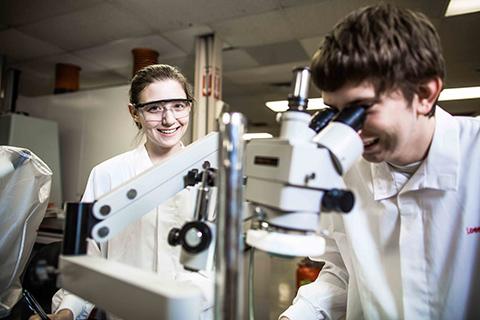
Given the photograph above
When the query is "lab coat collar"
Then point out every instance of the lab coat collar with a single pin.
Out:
(142, 158)
(438, 171)
(142, 155)
(383, 183)
(442, 165)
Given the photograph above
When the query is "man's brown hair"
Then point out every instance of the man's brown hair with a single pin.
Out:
(391, 47)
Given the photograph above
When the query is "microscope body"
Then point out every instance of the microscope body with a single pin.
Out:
(294, 178)
(289, 175)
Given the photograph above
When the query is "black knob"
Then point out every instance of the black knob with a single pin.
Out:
(211, 176)
(174, 237)
(192, 178)
(338, 200)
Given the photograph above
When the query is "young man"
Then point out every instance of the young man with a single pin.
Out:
(411, 247)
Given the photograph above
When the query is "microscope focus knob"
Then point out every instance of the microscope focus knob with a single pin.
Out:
(174, 237)
(338, 200)
(195, 236)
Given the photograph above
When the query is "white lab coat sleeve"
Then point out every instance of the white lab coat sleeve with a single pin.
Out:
(326, 297)
(65, 300)
(98, 184)
(204, 281)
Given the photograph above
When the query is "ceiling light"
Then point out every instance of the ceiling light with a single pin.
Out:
(460, 93)
(282, 105)
(445, 95)
(457, 7)
(259, 135)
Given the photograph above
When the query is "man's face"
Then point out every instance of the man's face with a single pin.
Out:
(390, 131)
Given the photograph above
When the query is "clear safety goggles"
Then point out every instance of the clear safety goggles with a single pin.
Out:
(155, 110)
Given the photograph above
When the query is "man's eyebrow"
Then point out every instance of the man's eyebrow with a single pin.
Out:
(362, 101)
(356, 102)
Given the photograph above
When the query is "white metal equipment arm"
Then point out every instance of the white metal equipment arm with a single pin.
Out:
(138, 196)
(128, 292)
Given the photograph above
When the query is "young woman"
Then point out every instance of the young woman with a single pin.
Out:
(160, 104)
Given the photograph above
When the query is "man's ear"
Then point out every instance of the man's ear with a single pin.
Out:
(428, 93)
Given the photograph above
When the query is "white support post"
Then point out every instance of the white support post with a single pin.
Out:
(208, 85)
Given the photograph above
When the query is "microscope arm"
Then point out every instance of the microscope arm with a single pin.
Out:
(138, 196)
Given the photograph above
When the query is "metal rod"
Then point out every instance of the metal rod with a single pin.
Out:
(204, 195)
(229, 261)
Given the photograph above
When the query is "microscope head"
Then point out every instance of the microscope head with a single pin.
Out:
(293, 178)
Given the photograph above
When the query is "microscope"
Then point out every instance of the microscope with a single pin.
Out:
(295, 177)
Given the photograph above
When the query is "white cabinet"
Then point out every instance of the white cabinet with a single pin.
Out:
(39, 136)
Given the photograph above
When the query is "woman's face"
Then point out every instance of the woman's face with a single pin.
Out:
(164, 126)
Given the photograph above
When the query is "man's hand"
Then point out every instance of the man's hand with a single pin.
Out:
(64, 314)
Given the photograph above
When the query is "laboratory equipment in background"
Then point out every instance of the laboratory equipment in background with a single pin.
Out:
(24, 190)
(41, 137)
(294, 178)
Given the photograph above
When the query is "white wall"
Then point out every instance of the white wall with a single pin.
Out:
(93, 126)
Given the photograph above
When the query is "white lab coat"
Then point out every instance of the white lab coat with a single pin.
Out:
(412, 253)
(143, 244)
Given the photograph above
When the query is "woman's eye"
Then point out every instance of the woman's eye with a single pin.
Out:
(179, 106)
(153, 109)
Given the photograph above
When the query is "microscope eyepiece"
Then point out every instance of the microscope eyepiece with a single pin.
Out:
(298, 98)
(322, 118)
(353, 117)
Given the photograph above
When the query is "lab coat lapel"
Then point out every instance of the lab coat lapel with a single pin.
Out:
(440, 169)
